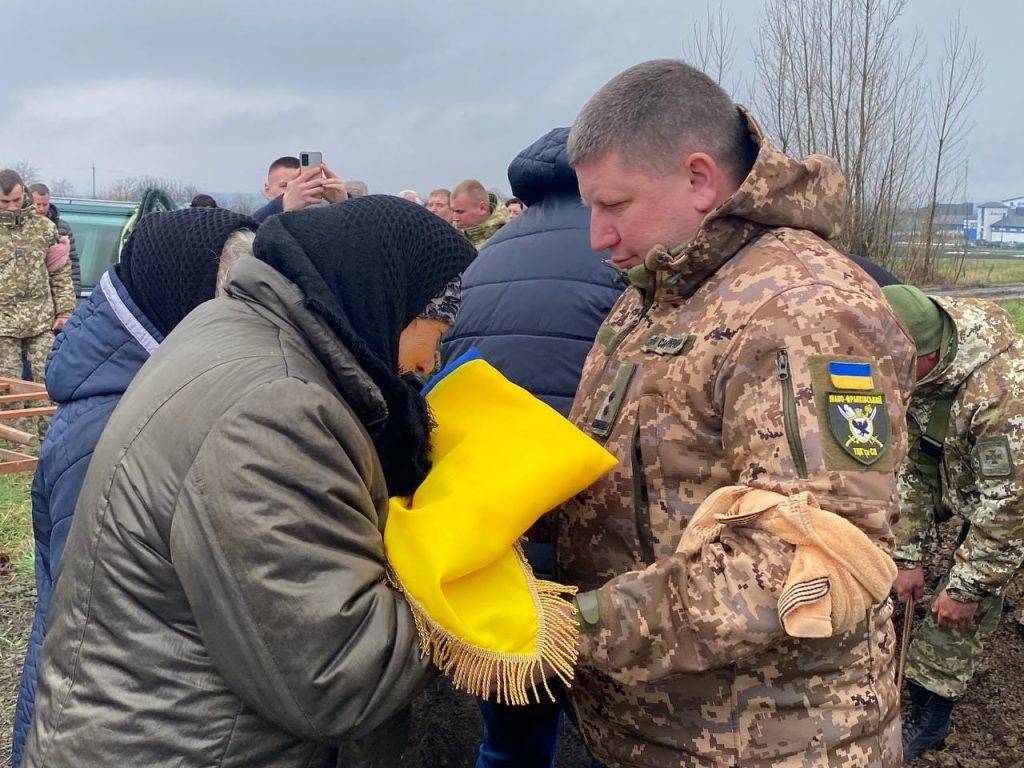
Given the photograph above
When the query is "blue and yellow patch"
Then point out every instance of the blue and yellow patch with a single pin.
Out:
(856, 376)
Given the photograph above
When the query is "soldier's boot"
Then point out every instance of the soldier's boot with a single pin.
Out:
(928, 725)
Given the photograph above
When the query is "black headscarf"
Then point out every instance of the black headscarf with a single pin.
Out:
(368, 267)
(169, 264)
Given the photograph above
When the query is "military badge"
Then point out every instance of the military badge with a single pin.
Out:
(993, 456)
(860, 424)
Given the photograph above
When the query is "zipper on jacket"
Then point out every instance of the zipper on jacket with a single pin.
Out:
(648, 295)
(789, 415)
(641, 499)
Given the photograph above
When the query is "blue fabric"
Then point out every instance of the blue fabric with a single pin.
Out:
(533, 299)
(519, 737)
(92, 363)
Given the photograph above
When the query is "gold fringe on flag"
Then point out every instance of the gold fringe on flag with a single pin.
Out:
(508, 678)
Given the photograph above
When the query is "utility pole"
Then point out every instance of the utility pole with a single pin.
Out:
(94, 179)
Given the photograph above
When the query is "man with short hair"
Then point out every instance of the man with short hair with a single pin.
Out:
(43, 206)
(440, 203)
(289, 187)
(515, 207)
(34, 302)
(966, 426)
(477, 214)
(411, 196)
(752, 359)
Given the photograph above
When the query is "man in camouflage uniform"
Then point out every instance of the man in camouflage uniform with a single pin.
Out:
(729, 363)
(34, 303)
(966, 431)
(477, 213)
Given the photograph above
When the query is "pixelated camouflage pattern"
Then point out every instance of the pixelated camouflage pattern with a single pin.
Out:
(35, 349)
(446, 306)
(943, 659)
(479, 235)
(986, 376)
(30, 297)
(688, 665)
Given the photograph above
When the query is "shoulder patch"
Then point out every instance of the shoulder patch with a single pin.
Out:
(993, 456)
(854, 418)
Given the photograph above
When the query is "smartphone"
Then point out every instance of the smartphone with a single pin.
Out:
(309, 159)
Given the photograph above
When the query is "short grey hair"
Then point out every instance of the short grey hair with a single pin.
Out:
(238, 244)
(654, 112)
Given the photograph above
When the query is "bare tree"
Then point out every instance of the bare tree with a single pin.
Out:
(711, 47)
(244, 205)
(130, 188)
(951, 91)
(62, 187)
(28, 172)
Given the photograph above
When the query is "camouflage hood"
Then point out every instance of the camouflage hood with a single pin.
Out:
(983, 331)
(12, 219)
(778, 192)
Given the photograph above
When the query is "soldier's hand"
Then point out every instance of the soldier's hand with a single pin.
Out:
(306, 189)
(952, 613)
(59, 323)
(909, 583)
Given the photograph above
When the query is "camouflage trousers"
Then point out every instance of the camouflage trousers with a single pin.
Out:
(943, 659)
(34, 348)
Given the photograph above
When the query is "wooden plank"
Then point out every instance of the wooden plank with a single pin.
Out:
(17, 386)
(12, 461)
(23, 413)
(17, 435)
(22, 397)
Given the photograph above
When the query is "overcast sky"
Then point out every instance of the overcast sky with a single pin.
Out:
(400, 94)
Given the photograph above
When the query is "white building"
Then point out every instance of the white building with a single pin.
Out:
(1017, 203)
(988, 214)
(1009, 229)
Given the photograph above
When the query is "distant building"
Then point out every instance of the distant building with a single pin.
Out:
(1017, 203)
(987, 215)
(1009, 230)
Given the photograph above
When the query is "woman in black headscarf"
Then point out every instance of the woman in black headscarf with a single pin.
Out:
(225, 597)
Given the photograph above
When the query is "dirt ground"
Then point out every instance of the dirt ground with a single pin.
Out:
(988, 725)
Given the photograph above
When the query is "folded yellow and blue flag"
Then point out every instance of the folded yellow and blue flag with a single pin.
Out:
(501, 459)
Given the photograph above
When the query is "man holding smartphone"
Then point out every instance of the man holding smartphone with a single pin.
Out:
(292, 186)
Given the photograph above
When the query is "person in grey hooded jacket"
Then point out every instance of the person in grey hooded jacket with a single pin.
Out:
(224, 597)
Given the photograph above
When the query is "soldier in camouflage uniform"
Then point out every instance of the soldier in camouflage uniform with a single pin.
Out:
(966, 431)
(729, 363)
(34, 304)
(477, 213)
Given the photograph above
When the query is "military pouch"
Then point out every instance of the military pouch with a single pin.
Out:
(608, 410)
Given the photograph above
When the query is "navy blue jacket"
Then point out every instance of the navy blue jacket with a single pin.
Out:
(533, 299)
(103, 346)
(274, 206)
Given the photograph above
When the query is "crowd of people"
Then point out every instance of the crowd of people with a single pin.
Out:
(240, 396)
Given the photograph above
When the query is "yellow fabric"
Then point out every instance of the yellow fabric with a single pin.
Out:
(501, 459)
(837, 574)
(852, 382)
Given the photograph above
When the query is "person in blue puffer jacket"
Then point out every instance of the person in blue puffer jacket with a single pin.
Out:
(172, 262)
(532, 303)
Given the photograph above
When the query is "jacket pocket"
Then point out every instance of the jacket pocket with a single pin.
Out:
(790, 418)
(641, 497)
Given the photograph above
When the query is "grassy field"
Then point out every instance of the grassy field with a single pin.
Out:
(17, 594)
(1015, 308)
(988, 271)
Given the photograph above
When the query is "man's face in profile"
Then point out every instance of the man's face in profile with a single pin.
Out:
(41, 203)
(277, 181)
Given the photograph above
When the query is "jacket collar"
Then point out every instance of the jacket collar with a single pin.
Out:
(253, 281)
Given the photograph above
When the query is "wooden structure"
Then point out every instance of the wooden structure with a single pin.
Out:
(20, 400)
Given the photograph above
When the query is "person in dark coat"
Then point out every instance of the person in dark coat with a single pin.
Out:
(532, 303)
(169, 266)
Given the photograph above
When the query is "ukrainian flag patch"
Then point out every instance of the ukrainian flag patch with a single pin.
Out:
(855, 376)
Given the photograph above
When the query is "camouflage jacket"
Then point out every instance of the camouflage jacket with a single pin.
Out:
(30, 297)
(446, 306)
(717, 371)
(481, 233)
(981, 476)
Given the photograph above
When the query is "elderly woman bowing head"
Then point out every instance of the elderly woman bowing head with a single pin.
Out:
(224, 598)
